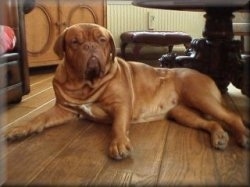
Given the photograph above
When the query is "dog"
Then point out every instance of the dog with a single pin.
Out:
(94, 84)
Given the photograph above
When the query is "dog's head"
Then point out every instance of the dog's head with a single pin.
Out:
(87, 48)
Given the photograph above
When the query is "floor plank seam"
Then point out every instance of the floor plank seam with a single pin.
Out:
(20, 118)
(44, 80)
(162, 154)
(97, 175)
(33, 95)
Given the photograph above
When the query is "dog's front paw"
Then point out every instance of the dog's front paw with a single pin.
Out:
(120, 148)
(220, 139)
(15, 133)
(18, 132)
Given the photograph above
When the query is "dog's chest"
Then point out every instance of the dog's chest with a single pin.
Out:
(93, 111)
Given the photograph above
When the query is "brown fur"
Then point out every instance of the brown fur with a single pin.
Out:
(92, 83)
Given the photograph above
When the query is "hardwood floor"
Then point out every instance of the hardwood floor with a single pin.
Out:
(165, 153)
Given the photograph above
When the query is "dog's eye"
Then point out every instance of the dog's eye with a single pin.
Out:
(74, 41)
(102, 39)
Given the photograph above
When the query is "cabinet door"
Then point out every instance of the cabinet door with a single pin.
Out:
(49, 18)
(42, 28)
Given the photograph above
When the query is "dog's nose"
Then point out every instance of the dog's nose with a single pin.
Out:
(93, 62)
(93, 68)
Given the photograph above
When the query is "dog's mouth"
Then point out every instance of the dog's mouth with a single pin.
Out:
(93, 69)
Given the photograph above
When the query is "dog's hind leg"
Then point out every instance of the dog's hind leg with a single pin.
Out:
(232, 121)
(189, 117)
(52, 117)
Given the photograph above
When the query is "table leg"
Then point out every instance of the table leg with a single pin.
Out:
(217, 54)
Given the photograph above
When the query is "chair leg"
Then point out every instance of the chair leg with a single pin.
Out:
(136, 50)
(187, 45)
(170, 48)
(242, 43)
(123, 46)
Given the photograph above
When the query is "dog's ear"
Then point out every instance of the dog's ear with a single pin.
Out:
(59, 46)
(112, 46)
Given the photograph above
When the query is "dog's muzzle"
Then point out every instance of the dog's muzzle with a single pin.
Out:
(93, 69)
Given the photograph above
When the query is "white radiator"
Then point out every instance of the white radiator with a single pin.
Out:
(123, 16)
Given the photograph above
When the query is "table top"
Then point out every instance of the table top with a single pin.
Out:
(192, 4)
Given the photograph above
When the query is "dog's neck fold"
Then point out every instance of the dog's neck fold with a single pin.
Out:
(77, 90)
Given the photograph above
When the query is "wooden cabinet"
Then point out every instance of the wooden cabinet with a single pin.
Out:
(49, 18)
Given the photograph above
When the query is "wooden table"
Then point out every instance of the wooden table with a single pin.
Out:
(217, 54)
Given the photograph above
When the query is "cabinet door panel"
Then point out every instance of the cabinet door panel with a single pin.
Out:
(80, 14)
(41, 30)
(88, 11)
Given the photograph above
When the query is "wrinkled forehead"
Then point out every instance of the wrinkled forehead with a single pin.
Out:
(86, 32)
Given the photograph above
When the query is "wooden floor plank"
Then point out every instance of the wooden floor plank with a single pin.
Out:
(41, 98)
(233, 166)
(143, 166)
(22, 110)
(188, 158)
(29, 159)
(80, 161)
(20, 116)
(29, 105)
(35, 89)
(38, 74)
(89, 150)
(36, 78)
(40, 94)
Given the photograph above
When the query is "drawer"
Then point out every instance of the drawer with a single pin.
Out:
(9, 74)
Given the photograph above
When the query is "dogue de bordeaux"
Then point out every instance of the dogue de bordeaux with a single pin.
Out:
(94, 84)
